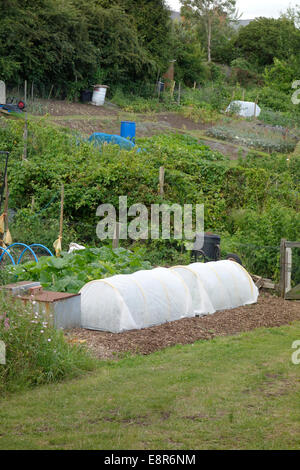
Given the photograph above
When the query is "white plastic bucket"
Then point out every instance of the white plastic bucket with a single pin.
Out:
(99, 93)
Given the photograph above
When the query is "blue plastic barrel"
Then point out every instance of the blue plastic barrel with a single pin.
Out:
(128, 130)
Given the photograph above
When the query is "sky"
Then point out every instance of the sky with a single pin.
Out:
(252, 8)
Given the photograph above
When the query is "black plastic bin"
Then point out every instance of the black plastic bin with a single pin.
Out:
(210, 248)
(86, 96)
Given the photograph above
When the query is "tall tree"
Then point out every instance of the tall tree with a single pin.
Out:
(189, 55)
(292, 14)
(152, 20)
(48, 40)
(211, 13)
(72, 43)
(265, 38)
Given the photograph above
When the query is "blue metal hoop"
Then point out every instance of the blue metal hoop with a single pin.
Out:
(30, 246)
(7, 252)
(20, 244)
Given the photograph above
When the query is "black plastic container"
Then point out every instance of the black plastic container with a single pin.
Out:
(86, 96)
(210, 248)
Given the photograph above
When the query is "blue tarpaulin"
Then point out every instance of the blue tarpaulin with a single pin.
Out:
(10, 108)
(99, 138)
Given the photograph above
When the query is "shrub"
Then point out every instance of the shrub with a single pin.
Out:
(241, 63)
(196, 114)
(133, 103)
(194, 174)
(36, 353)
(214, 96)
(255, 236)
(34, 227)
(273, 99)
(281, 75)
(281, 119)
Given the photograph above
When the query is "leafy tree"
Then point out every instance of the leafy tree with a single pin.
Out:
(282, 74)
(223, 42)
(210, 13)
(46, 41)
(120, 56)
(152, 22)
(293, 14)
(265, 38)
(189, 55)
(73, 43)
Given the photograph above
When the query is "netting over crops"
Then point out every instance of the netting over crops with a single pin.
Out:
(147, 298)
(244, 108)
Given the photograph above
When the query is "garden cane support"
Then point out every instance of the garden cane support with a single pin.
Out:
(57, 243)
(7, 236)
(161, 180)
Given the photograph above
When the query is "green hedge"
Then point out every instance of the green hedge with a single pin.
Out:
(262, 189)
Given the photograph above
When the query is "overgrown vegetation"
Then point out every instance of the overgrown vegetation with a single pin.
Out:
(36, 353)
(254, 203)
(70, 44)
(71, 272)
(62, 47)
(237, 198)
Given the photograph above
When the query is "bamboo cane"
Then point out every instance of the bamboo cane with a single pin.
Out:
(161, 180)
(61, 211)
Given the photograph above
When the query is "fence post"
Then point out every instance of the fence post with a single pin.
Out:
(25, 91)
(161, 180)
(61, 220)
(179, 93)
(283, 267)
(115, 242)
(25, 138)
(255, 106)
(6, 206)
(49, 96)
(288, 279)
(173, 88)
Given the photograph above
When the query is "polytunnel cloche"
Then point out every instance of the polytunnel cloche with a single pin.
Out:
(147, 298)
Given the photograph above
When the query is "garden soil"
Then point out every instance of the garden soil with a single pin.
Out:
(270, 311)
(87, 119)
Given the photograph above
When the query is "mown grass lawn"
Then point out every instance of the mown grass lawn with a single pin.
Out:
(240, 392)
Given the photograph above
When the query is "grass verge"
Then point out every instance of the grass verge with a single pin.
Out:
(240, 392)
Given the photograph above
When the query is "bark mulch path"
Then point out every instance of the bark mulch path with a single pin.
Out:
(270, 311)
